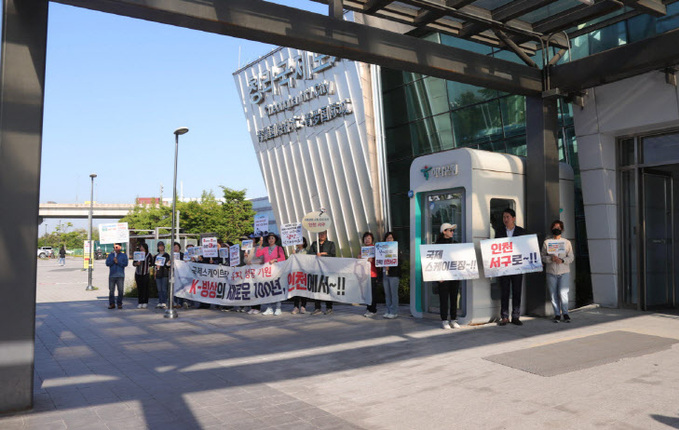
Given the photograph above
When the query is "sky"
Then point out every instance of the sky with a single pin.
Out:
(117, 88)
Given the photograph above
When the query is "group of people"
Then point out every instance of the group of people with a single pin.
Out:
(267, 251)
(557, 268)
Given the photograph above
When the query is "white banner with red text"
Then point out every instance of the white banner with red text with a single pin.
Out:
(511, 256)
(344, 280)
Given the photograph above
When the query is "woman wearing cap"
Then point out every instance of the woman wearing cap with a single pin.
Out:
(271, 254)
(448, 290)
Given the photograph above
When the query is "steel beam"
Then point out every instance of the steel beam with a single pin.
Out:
(22, 90)
(577, 15)
(542, 187)
(655, 53)
(372, 6)
(276, 24)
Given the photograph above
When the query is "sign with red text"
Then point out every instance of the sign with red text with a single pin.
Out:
(210, 247)
(261, 224)
(234, 255)
(386, 254)
(114, 233)
(511, 255)
(291, 234)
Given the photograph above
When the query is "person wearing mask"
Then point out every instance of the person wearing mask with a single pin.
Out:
(448, 290)
(322, 248)
(510, 229)
(162, 272)
(371, 309)
(557, 255)
(62, 256)
(300, 302)
(271, 254)
(116, 262)
(178, 256)
(391, 277)
(141, 277)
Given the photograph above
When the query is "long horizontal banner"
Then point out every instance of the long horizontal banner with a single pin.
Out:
(511, 256)
(344, 280)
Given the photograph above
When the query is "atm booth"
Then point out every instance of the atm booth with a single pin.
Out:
(471, 188)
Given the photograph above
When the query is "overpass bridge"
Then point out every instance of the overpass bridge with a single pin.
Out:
(82, 210)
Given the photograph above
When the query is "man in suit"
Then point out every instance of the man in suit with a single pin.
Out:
(510, 229)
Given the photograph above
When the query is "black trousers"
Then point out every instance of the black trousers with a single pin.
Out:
(448, 291)
(298, 299)
(317, 304)
(372, 307)
(142, 288)
(510, 283)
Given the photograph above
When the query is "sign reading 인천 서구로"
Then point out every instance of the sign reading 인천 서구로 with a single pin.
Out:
(317, 221)
(386, 254)
(448, 262)
(114, 233)
(291, 234)
(261, 224)
(511, 256)
(234, 257)
(210, 247)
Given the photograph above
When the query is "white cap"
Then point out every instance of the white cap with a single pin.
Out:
(446, 226)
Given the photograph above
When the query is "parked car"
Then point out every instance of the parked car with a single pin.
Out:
(45, 252)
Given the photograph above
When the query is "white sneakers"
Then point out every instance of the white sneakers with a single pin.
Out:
(159, 305)
(389, 316)
(277, 312)
(140, 306)
(268, 311)
(254, 311)
(369, 314)
(449, 324)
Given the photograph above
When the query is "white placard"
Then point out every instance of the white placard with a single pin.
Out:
(261, 224)
(386, 254)
(234, 259)
(448, 262)
(291, 234)
(224, 253)
(556, 247)
(317, 221)
(177, 255)
(367, 252)
(210, 247)
(160, 261)
(139, 256)
(188, 253)
(114, 233)
(247, 245)
(511, 256)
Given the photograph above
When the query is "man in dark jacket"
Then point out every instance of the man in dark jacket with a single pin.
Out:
(326, 249)
(116, 262)
(510, 229)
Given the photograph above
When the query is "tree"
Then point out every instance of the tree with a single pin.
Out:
(230, 219)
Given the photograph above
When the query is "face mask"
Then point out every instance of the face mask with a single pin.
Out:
(556, 232)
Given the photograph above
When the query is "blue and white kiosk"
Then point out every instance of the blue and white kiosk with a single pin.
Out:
(471, 188)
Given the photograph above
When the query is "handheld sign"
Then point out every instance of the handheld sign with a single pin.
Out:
(187, 254)
(160, 261)
(511, 256)
(210, 247)
(556, 247)
(177, 256)
(367, 252)
(261, 224)
(246, 245)
(386, 254)
(317, 221)
(291, 234)
(224, 253)
(114, 233)
(234, 259)
(139, 255)
(448, 262)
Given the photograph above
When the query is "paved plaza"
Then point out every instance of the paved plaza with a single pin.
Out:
(133, 369)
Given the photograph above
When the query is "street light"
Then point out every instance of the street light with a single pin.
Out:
(171, 312)
(89, 236)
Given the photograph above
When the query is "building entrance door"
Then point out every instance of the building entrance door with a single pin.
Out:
(443, 206)
(658, 231)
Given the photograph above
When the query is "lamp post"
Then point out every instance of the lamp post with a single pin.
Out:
(171, 312)
(89, 236)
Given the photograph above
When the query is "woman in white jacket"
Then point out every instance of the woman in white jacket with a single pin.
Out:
(557, 255)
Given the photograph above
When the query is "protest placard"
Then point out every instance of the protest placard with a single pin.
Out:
(317, 221)
(160, 261)
(291, 234)
(261, 224)
(139, 256)
(386, 254)
(177, 255)
(210, 247)
(246, 245)
(114, 233)
(511, 256)
(224, 253)
(448, 262)
(556, 247)
(367, 252)
(234, 258)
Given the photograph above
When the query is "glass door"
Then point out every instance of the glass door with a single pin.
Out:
(658, 259)
(442, 206)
